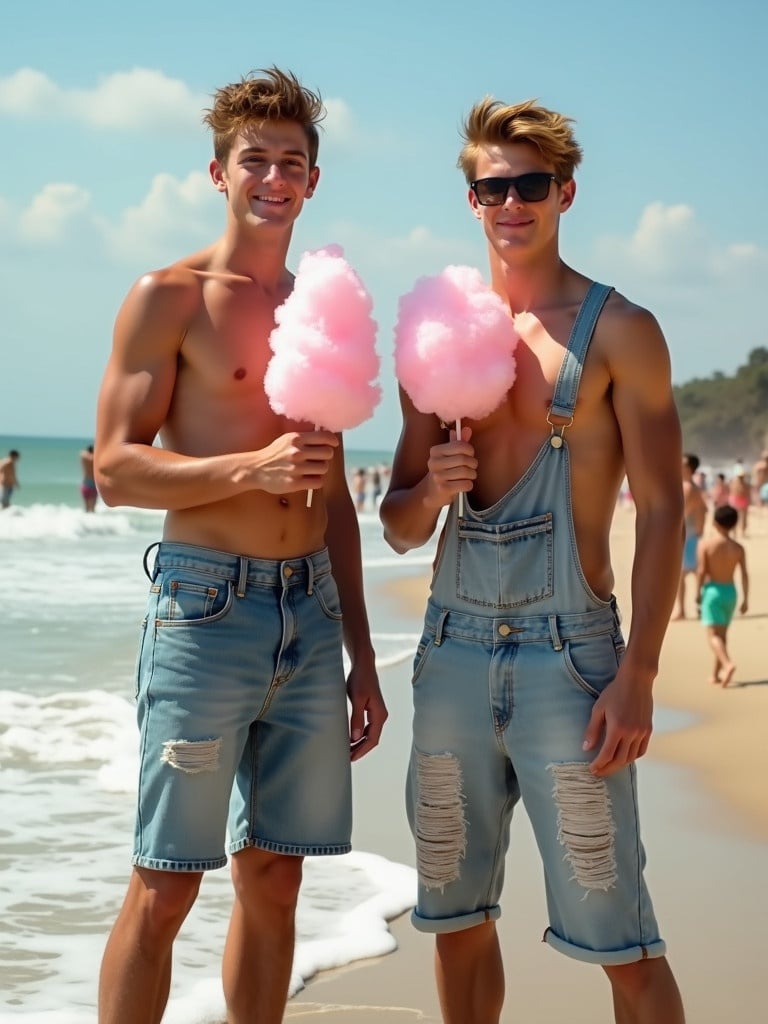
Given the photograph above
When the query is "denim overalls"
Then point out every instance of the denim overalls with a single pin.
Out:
(515, 650)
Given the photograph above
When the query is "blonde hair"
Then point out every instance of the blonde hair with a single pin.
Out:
(491, 122)
(264, 95)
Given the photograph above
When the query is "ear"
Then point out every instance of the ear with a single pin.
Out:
(474, 206)
(216, 172)
(314, 177)
(567, 194)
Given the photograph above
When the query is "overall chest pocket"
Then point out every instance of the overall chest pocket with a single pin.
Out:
(505, 565)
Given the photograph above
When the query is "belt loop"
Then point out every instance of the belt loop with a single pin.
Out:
(242, 576)
(439, 627)
(310, 576)
(557, 643)
(145, 562)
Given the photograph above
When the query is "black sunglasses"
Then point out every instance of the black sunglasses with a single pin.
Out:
(531, 188)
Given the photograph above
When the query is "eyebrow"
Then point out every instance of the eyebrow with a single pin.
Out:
(258, 150)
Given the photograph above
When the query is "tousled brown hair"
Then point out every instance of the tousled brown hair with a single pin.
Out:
(491, 122)
(264, 95)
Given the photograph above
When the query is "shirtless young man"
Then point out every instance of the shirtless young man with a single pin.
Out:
(241, 693)
(522, 684)
(695, 513)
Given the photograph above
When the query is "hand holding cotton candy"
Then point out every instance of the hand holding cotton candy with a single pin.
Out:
(454, 345)
(324, 358)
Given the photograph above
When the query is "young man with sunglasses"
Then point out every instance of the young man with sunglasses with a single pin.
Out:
(242, 699)
(523, 686)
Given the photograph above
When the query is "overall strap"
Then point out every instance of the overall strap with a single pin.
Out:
(567, 386)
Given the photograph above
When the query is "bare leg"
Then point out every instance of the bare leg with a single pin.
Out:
(679, 610)
(136, 969)
(470, 975)
(645, 992)
(717, 641)
(259, 950)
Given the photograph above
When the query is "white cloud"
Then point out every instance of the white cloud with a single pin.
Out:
(339, 123)
(52, 213)
(174, 215)
(140, 99)
(671, 247)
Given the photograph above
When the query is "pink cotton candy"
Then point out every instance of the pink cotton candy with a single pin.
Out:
(454, 344)
(324, 346)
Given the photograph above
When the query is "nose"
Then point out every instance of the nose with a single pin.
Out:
(274, 173)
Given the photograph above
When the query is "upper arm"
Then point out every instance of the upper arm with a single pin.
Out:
(645, 410)
(140, 376)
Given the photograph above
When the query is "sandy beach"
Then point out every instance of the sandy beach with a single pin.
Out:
(704, 804)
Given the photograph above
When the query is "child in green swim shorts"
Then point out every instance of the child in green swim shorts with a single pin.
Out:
(718, 557)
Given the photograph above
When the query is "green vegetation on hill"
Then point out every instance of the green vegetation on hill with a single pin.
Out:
(727, 417)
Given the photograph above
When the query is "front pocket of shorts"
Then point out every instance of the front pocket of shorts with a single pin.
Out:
(592, 661)
(420, 659)
(327, 594)
(505, 565)
(192, 601)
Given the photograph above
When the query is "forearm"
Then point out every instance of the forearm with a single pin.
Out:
(343, 540)
(408, 520)
(145, 476)
(658, 552)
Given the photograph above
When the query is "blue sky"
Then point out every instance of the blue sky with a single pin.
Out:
(104, 169)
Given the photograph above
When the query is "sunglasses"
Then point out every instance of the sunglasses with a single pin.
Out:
(530, 188)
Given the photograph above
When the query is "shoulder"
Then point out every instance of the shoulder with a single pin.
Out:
(630, 340)
(179, 283)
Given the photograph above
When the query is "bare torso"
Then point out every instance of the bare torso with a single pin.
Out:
(219, 406)
(721, 556)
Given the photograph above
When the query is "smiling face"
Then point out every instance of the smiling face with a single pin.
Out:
(267, 176)
(518, 231)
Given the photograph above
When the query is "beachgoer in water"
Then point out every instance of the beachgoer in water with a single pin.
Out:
(88, 490)
(9, 481)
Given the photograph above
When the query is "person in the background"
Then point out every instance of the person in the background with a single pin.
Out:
(88, 490)
(695, 517)
(718, 494)
(740, 496)
(760, 480)
(375, 475)
(359, 488)
(9, 481)
(522, 686)
(718, 559)
(248, 725)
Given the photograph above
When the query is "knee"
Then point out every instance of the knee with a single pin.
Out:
(160, 901)
(631, 980)
(276, 878)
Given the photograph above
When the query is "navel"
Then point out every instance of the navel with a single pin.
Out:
(239, 373)
(284, 502)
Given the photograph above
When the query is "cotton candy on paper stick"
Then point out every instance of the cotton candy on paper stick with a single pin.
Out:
(324, 363)
(454, 345)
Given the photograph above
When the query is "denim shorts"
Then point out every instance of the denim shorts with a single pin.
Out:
(242, 710)
(501, 705)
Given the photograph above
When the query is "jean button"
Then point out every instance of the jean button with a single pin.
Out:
(504, 629)
(287, 572)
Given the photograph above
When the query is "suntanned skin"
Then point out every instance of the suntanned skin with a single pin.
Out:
(695, 515)
(625, 421)
(718, 557)
(191, 345)
(8, 476)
